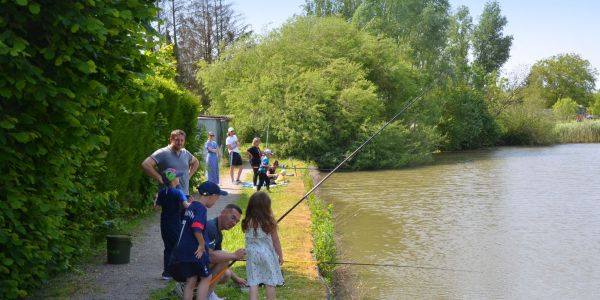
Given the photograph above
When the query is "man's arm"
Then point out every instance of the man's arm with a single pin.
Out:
(218, 256)
(149, 166)
(194, 163)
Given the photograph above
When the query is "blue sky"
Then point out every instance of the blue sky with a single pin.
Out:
(540, 28)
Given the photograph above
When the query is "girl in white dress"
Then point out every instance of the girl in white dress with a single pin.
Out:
(263, 249)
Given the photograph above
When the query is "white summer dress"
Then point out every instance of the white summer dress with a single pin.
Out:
(262, 265)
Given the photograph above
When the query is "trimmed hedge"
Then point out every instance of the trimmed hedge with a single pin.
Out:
(70, 143)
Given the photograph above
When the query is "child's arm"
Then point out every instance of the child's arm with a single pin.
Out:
(277, 244)
(200, 240)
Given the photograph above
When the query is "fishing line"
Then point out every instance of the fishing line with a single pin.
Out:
(379, 265)
(404, 108)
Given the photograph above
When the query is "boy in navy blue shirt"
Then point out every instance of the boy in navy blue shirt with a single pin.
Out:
(172, 201)
(192, 250)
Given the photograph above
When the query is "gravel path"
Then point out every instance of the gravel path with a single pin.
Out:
(142, 275)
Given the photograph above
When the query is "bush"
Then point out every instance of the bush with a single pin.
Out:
(564, 109)
(522, 126)
(68, 91)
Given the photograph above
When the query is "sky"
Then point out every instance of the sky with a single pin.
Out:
(540, 28)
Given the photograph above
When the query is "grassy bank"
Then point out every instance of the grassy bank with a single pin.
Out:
(579, 132)
(300, 274)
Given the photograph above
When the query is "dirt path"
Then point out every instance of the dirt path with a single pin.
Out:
(142, 275)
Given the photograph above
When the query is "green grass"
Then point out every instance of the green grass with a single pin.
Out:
(301, 278)
(587, 131)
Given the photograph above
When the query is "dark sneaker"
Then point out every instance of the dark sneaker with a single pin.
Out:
(166, 276)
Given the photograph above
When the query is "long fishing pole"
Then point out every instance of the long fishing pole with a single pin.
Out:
(404, 108)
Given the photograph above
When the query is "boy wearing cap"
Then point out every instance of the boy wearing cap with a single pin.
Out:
(263, 178)
(171, 200)
(235, 159)
(192, 250)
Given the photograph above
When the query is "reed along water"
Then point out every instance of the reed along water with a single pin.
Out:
(513, 223)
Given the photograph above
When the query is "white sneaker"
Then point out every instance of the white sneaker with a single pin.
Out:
(214, 296)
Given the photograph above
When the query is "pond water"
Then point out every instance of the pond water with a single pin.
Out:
(507, 223)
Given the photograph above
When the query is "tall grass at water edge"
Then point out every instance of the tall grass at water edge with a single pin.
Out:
(578, 132)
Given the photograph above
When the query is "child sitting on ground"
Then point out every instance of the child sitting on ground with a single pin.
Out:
(192, 251)
(263, 248)
(172, 201)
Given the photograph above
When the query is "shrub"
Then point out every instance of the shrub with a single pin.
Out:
(564, 109)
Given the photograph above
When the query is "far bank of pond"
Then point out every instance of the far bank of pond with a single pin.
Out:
(506, 223)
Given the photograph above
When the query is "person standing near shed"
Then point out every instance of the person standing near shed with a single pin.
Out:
(234, 154)
(212, 158)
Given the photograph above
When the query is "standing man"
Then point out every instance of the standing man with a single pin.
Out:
(235, 159)
(174, 156)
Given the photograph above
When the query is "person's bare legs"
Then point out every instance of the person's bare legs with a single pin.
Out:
(190, 285)
(202, 291)
(270, 292)
(216, 269)
(253, 292)
(231, 172)
(240, 167)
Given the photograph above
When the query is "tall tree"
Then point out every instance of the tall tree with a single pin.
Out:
(562, 76)
(202, 29)
(323, 8)
(422, 25)
(490, 46)
(459, 36)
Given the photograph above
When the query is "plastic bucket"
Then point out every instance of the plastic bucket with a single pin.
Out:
(118, 248)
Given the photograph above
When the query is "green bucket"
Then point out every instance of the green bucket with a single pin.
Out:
(118, 248)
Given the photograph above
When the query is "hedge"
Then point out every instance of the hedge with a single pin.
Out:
(72, 77)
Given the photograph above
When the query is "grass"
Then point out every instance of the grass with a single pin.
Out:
(587, 131)
(301, 277)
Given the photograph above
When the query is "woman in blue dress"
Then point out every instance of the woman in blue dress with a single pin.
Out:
(212, 159)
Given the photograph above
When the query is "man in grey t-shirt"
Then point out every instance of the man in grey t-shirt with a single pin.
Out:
(172, 156)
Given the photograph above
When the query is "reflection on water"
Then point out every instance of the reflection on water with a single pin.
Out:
(526, 220)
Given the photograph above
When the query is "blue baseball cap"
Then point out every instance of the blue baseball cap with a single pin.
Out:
(208, 188)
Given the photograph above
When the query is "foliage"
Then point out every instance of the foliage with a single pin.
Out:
(564, 76)
(465, 121)
(578, 132)
(565, 108)
(595, 108)
(323, 232)
(422, 25)
(64, 65)
(457, 49)
(315, 82)
(524, 125)
(323, 8)
(491, 48)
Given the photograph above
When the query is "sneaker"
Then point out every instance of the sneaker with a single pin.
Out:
(238, 181)
(166, 276)
(178, 289)
(214, 296)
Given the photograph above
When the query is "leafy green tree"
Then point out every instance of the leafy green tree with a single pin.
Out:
(459, 37)
(314, 82)
(466, 122)
(565, 109)
(325, 8)
(595, 108)
(491, 47)
(421, 25)
(563, 76)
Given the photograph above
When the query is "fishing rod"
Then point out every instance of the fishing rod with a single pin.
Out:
(404, 108)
